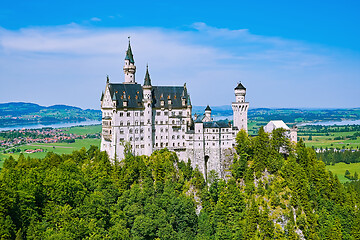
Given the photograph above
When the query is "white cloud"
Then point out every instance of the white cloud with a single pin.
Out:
(74, 60)
(95, 19)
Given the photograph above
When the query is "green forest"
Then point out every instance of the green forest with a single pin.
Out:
(275, 190)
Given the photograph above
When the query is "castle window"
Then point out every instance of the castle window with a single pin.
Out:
(131, 138)
(136, 122)
(161, 130)
(161, 122)
(173, 144)
(166, 129)
(165, 113)
(173, 137)
(142, 114)
(121, 114)
(121, 131)
(128, 114)
(136, 131)
(157, 113)
(130, 130)
(128, 123)
(136, 114)
(142, 138)
(141, 130)
(178, 137)
(142, 123)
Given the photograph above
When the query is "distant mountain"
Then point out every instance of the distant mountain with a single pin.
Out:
(21, 113)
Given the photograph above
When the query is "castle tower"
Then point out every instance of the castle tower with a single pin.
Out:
(147, 100)
(240, 108)
(207, 114)
(129, 67)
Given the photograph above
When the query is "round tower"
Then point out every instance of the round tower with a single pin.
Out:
(129, 67)
(147, 101)
(240, 108)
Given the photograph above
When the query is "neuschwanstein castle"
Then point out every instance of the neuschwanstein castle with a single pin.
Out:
(155, 117)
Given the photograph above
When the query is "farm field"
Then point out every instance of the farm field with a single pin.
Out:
(59, 148)
(329, 142)
(83, 130)
(340, 168)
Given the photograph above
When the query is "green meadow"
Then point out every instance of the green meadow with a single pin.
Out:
(329, 142)
(340, 168)
(59, 148)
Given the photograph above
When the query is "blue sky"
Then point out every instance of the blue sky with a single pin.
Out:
(287, 54)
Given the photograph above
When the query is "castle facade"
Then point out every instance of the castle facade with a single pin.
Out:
(149, 118)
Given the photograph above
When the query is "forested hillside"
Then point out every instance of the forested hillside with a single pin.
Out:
(269, 196)
(19, 113)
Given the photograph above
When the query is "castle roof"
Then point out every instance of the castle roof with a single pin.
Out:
(147, 80)
(217, 124)
(279, 124)
(134, 95)
(207, 108)
(129, 56)
(240, 86)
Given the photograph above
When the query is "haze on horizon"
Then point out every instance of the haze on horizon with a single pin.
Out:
(298, 55)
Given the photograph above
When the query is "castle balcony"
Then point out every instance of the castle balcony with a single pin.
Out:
(106, 122)
(107, 134)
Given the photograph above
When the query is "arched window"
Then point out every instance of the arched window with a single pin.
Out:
(121, 123)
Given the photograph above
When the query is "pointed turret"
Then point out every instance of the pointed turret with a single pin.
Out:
(114, 97)
(129, 67)
(129, 56)
(102, 96)
(240, 86)
(147, 80)
(107, 79)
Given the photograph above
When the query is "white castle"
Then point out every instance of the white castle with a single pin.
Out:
(150, 118)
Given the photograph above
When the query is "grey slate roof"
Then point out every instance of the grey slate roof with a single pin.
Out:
(122, 92)
(133, 94)
(147, 80)
(218, 124)
(240, 86)
(129, 56)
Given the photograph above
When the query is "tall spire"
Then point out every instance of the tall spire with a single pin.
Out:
(129, 56)
(147, 80)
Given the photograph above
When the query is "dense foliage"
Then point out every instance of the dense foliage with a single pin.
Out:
(276, 191)
(331, 156)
